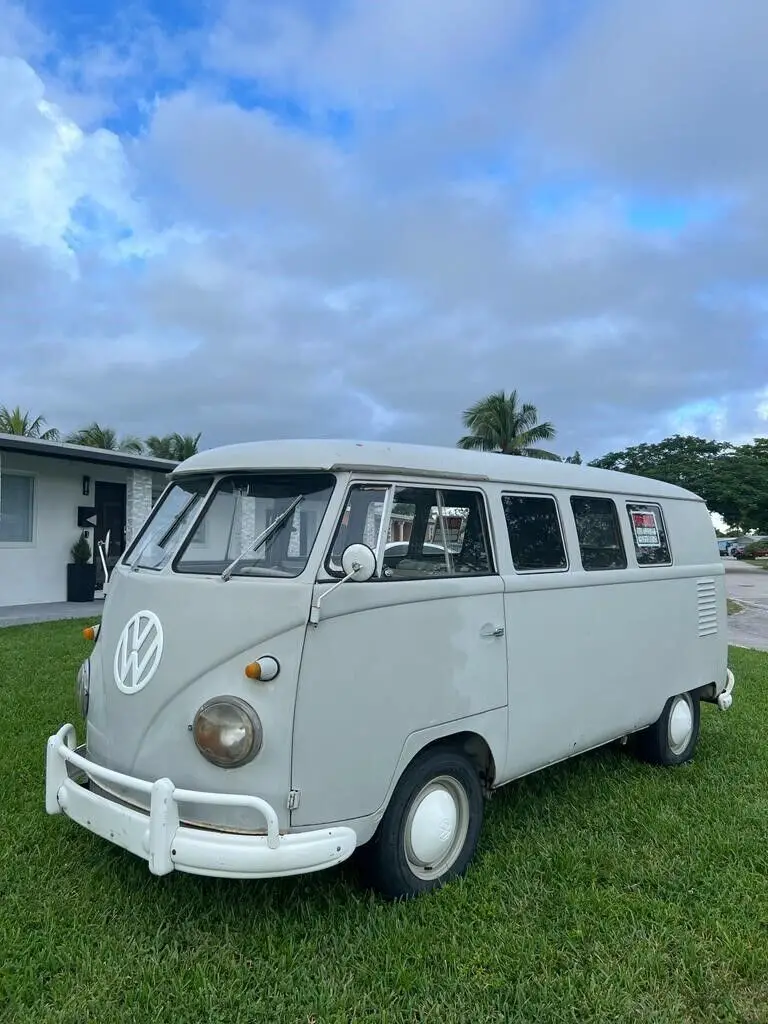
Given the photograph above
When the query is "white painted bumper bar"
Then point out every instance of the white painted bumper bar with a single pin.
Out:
(725, 697)
(164, 843)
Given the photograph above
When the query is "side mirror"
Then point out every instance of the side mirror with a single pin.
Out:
(358, 563)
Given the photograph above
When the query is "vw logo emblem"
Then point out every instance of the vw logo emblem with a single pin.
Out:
(138, 652)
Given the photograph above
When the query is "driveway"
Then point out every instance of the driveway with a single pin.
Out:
(748, 585)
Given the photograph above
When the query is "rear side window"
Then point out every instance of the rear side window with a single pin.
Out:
(535, 535)
(597, 526)
(649, 534)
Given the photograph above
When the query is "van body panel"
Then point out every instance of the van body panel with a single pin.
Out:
(388, 659)
(211, 631)
(588, 664)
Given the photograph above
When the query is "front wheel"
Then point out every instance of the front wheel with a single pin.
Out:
(430, 830)
(672, 737)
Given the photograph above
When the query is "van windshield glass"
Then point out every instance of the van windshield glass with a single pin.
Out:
(224, 540)
(164, 530)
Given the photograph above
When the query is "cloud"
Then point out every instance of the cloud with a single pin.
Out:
(497, 213)
(365, 54)
(667, 92)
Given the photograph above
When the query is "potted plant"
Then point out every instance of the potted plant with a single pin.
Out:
(81, 572)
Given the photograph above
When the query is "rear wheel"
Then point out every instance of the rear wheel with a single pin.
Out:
(673, 736)
(430, 830)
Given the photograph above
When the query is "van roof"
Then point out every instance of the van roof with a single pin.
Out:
(420, 460)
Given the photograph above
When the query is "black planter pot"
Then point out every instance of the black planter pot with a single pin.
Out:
(81, 582)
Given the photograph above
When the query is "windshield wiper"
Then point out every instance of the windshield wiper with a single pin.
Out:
(166, 536)
(263, 536)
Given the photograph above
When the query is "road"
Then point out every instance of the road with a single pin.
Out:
(748, 585)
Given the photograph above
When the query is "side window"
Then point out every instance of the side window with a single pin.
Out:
(649, 534)
(597, 526)
(435, 532)
(360, 523)
(535, 535)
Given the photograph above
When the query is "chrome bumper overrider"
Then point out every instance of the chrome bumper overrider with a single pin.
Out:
(160, 839)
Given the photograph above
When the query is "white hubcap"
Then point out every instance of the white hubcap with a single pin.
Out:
(436, 827)
(680, 725)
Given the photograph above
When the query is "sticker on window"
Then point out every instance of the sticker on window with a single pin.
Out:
(646, 529)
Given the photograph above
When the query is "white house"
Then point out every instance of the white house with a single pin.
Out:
(49, 492)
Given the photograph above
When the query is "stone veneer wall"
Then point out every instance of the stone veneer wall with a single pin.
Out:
(138, 501)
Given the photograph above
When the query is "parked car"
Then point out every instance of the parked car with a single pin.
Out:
(754, 549)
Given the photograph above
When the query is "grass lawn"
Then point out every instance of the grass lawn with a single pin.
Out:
(734, 606)
(603, 890)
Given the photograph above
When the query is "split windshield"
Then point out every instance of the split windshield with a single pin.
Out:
(230, 529)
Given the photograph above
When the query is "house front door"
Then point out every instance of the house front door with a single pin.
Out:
(110, 503)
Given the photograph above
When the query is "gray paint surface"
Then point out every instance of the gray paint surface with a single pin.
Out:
(748, 585)
(50, 611)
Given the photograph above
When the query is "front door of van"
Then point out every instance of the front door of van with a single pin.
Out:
(419, 646)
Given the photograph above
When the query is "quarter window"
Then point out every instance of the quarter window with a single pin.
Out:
(535, 536)
(17, 497)
(599, 533)
(360, 523)
(649, 534)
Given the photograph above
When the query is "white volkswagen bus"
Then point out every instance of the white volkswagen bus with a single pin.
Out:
(318, 647)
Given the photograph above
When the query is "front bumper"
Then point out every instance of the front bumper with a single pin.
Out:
(160, 839)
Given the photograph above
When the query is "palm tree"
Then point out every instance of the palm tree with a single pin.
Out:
(14, 421)
(176, 447)
(500, 423)
(96, 436)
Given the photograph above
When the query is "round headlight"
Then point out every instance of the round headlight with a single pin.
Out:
(227, 732)
(82, 686)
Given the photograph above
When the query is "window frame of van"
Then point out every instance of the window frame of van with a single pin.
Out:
(560, 522)
(390, 487)
(656, 505)
(219, 478)
(586, 496)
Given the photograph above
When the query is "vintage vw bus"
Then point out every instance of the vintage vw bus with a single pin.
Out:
(315, 647)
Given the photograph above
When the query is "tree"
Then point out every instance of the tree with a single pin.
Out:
(500, 423)
(732, 480)
(96, 436)
(176, 447)
(14, 421)
(575, 459)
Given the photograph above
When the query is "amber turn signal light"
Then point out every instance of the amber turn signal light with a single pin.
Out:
(264, 669)
(91, 632)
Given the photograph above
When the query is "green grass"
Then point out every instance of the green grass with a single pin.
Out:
(603, 890)
(734, 607)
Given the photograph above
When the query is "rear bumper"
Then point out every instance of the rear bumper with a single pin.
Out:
(166, 845)
(725, 697)
(720, 694)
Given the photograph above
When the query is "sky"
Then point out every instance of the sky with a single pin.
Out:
(295, 218)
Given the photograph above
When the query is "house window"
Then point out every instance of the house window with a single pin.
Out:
(535, 535)
(649, 534)
(597, 526)
(17, 497)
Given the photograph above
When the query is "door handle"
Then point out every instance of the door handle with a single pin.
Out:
(490, 630)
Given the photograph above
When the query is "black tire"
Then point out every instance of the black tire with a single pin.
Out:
(388, 861)
(655, 744)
